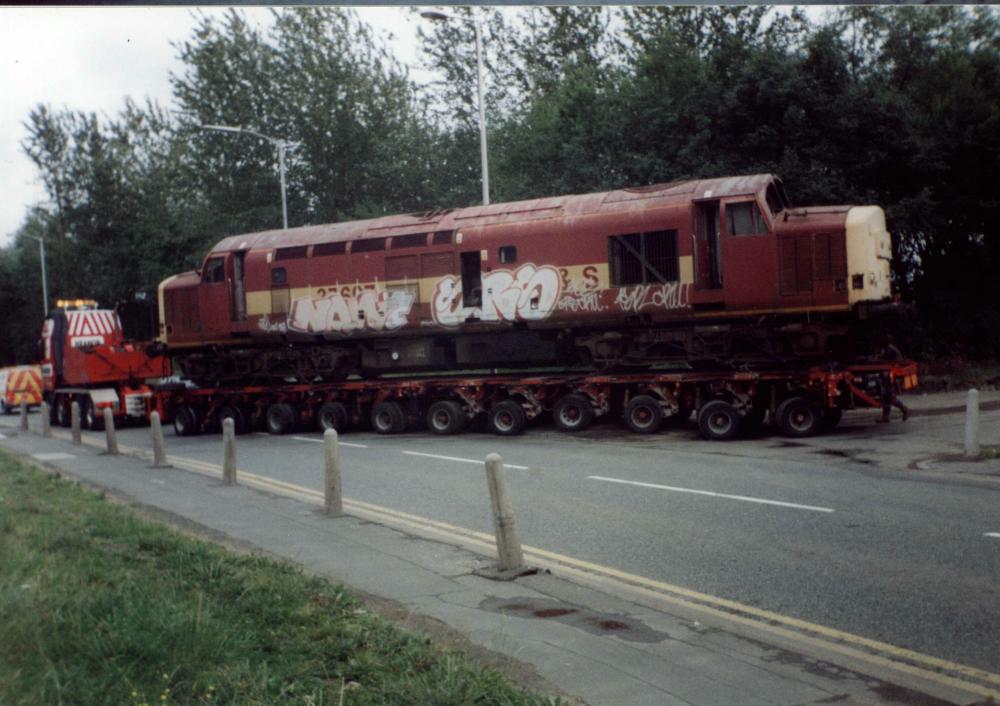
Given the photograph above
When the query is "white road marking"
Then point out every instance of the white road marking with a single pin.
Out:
(712, 494)
(463, 460)
(995, 535)
(341, 443)
(57, 456)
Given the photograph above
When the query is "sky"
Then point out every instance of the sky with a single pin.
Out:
(91, 58)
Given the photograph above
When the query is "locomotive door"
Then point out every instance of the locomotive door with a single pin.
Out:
(238, 290)
(708, 247)
(213, 297)
(748, 255)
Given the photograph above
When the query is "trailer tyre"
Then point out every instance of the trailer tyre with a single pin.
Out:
(445, 417)
(719, 421)
(798, 417)
(643, 414)
(90, 418)
(507, 418)
(573, 413)
(281, 418)
(333, 415)
(240, 422)
(62, 411)
(186, 422)
(388, 418)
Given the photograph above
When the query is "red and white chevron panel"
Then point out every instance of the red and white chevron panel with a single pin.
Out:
(92, 323)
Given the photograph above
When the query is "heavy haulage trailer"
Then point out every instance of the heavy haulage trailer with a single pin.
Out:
(724, 403)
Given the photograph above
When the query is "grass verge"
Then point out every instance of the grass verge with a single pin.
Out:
(99, 606)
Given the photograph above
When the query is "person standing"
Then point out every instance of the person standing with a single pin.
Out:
(890, 388)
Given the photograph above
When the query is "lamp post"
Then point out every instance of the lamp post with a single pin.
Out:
(281, 146)
(444, 17)
(45, 284)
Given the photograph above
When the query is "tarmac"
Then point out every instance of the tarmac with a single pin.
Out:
(583, 632)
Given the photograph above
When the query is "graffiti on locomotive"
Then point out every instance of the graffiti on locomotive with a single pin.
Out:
(529, 293)
(348, 310)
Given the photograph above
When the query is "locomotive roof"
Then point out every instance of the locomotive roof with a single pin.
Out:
(655, 195)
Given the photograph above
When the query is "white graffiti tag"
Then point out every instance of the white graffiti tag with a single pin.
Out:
(674, 295)
(379, 310)
(529, 293)
(581, 301)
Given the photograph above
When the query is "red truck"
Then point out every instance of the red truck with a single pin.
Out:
(87, 359)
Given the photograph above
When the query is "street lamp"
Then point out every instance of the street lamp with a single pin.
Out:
(281, 145)
(45, 284)
(444, 17)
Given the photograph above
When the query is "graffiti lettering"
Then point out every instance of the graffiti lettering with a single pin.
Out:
(528, 293)
(377, 310)
(266, 325)
(674, 295)
(581, 301)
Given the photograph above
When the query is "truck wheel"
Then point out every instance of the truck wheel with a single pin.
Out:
(507, 418)
(90, 417)
(719, 421)
(62, 411)
(831, 418)
(281, 418)
(445, 417)
(573, 413)
(186, 422)
(240, 421)
(388, 418)
(798, 417)
(333, 415)
(643, 414)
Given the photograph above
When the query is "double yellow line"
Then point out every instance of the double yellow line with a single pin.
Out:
(858, 650)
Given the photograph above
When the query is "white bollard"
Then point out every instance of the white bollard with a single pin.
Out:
(159, 450)
(228, 452)
(972, 423)
(333, 499)
(74, 422)
(109, 432)
(24, 416)
(509, 554)
(46, 421)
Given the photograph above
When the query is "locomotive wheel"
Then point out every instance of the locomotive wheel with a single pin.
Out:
(62, 411)
(281, 418)
(333, 415)
(240, 422)
(388, 418)
(507, 418)
(831, 418)
(573, 413)
(643, 414)
(719, 421)
(186, 422)
(445, 417)
(798, 417)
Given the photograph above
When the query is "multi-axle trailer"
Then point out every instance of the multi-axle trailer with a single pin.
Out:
(725, 403)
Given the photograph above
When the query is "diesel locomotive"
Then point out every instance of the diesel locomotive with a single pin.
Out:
(722, 270)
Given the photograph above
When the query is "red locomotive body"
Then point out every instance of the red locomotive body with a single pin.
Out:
(715, 268)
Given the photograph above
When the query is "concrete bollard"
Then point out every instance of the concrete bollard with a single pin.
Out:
(228, 452)
(74, 422)
(159, 450)
(508, 542)
(46, 421)
(333, 497)
(24, 416)
(109, 432)
(972, 423)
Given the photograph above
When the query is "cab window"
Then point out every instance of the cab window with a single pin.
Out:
(215, 270)
(745, 218)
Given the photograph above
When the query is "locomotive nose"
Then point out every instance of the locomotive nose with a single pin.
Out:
(869, 252)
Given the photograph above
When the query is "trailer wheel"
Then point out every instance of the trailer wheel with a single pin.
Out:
(719, 421)
(831, 418)
(62, 411)
(240, 422)
(507, 418)
(643, 414)
(185, 421)
(798, 417)
(573, 413)
(445, 417)
(281, 418)
(333, 415)
(388, 418)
